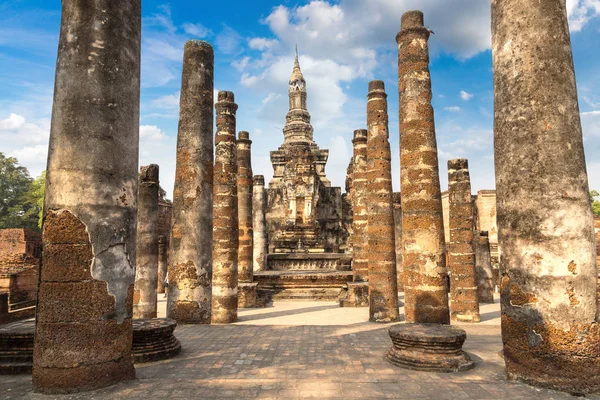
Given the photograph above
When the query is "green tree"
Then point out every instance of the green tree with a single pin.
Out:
(15, 182)
(595, 203)
(34, 200)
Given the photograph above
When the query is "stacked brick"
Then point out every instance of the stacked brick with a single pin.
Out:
(259, 224)
(225, 214)
(360, 260)
(464, 305)
(425, 288)
(485, 273)
(383, 289)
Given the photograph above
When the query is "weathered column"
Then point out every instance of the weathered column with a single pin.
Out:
(146, 271)
(550, 325)
(190, 246)
(162, 262)
(398, 238)
(425, 288)
(259, 222)
(360, 257)
(464, 306)
(225, 214)
(83, 324)
(485, 274)
(244, 192)
(383, 289)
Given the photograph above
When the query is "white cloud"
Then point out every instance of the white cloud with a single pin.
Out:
(465, 95)
(168, 102)
(581, 12)
(197, 30)
(156, 147)
(151, 132)
(590, 123)
(261, 43)
(241, 64)
(452, 109)
(228, 41)
(14, 121)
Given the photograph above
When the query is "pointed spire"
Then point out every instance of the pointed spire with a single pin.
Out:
(296, 73)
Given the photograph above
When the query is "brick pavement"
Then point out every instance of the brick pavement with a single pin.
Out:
(340, 357)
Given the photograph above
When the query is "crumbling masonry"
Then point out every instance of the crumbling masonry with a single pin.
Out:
(426, 293)
(483, 262)
(550, 314)
(225, 214)
(190, 258)
(83, 327)
(146, 271)
(360, 260)
(383, 289)
(259, 223)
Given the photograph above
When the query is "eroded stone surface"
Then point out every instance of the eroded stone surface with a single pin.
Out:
(422, 221)
(485, 276)
(244, 191)
(259, 224)
(360, 219)
(550, 325)
(190, 247)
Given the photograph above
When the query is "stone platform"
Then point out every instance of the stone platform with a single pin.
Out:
(429, 347)
(309, 262)
(153, 340)
(301, 285)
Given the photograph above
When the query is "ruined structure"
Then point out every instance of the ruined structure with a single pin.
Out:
(464, 305)
(20, 253)
(485, 277)
(162, 263)
(165, 217)
(398, 239)
(225, 214)
(381, 249)
(190, 247)
(259, 222)
(146, 271)
(485, 219)
(550, 312)
(426, 293)
(83, 321)
(304, 213)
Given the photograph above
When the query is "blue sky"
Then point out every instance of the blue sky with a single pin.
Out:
(343, 45)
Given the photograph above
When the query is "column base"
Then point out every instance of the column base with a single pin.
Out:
(356, 295)
(248, 296)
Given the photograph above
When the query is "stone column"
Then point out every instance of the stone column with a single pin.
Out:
(464, 306)
(225, 214)
(425, 288)
(550, 320)
(244, 192)
(398, 237)
(485, 274)
(146, 271)
(360, 257)
(162, 262)
(259, 220)
(83, 324)
(383, 289)
(190, 246)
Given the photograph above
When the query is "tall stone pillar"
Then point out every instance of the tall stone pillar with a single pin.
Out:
(244, 192)
(398, 237)
(483, 262)
(550, 320)
(259, 222)
(464, 306)
(83, 323)
(425, 288)
(360, 257)
(162, 263)
(190, 247)
(225, 214)
(383, 289)
(146, 271)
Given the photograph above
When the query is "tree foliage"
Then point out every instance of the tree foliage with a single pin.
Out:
(19, 195)
(595, 203)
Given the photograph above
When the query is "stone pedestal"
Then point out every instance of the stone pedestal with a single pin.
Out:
(425, 273)
(356, 295)
(550, 312)
(153, 340)
(248, 295)
(16, 348)
(85, 293)
(190, 246)
(428, 347)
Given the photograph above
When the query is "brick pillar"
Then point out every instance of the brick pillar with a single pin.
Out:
(550, 325)
(360, 257)
(483, 262)
(398, 236)
(383, 289)
(146, 271)
(190, 246)
(83, 324)
(244, 191)
(425, 288)
(464, 306)
(225, 214)
(259, 206)
(162, 263)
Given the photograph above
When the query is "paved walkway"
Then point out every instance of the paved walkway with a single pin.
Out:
(305, 350)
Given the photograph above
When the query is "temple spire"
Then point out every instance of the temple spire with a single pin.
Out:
(297, 73)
